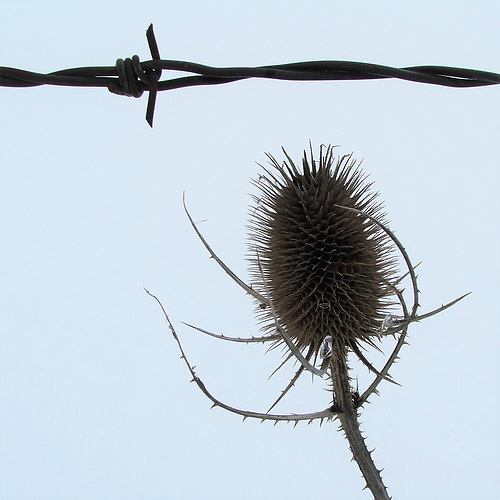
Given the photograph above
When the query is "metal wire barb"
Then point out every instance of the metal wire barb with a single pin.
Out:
(130, 77)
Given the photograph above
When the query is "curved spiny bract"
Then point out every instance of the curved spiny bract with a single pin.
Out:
(325, 268)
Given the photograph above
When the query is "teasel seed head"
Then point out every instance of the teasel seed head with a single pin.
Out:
(325, 269)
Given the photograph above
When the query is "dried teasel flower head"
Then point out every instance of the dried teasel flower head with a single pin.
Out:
(324, 269)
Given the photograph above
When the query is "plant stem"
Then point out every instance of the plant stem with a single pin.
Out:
(348, 416)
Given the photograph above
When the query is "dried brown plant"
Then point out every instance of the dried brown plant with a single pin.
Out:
(324, 276)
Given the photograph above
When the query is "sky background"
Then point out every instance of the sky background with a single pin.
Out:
(95, 402)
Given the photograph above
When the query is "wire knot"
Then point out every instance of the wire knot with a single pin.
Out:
(133, 80)
(130, 74)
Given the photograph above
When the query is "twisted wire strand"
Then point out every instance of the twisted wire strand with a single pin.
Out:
(130, 77)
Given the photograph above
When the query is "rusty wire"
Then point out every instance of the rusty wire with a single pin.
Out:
(132, 78)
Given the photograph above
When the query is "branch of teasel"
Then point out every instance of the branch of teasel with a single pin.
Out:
(327, 414)
(246, 340)
(404, 253)
(228, 271)
(392, 358)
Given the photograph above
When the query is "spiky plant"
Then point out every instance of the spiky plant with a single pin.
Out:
(323, 269)
(326, 269)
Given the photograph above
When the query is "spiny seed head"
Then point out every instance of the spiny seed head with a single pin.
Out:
(324, 268)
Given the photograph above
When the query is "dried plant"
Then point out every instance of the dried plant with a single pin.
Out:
(323, 263)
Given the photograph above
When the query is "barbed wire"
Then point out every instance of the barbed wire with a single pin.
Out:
(132, 78)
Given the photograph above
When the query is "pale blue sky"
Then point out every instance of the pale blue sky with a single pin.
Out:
(95, 402)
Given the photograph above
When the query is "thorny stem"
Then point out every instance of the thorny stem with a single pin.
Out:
(348, 416)
(214, 256)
